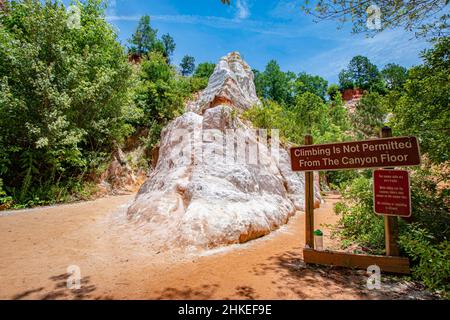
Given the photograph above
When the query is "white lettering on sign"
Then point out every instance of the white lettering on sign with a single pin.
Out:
(393, 152)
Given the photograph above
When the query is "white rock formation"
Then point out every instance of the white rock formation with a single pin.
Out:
(217, 181)
(232, 83)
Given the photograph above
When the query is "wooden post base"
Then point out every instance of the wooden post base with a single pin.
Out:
(358, 261)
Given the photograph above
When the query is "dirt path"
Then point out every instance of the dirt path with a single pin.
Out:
(119, 262)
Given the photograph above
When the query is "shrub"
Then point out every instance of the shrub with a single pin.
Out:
(369, 116)
(309, 115)
(63, 92)
(358, 222)
(430, 192)
(5, 200)
(425, 240)
(422, 109)
(198, 83)
(204, 70)
(431, 261)
(161, 94)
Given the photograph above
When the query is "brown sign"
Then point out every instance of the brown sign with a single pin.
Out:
(389, 152)
(392, 193)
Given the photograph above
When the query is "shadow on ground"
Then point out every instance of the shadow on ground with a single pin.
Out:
(204, 292)
(293, 280)
(61, 292)
(246, 292)
(308, 282)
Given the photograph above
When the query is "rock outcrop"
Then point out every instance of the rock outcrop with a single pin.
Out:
(232, 84)
(218, 181)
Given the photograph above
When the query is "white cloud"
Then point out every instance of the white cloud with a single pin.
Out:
(388, 46)
(249, 25)
(286, 9)
(243, 11)
(328, 53)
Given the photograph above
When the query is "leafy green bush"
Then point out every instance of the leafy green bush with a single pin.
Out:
(204, 70)
(161, 94)
(422, 108)
(338, 179)
(198, 83)
(369, 116)
(5, 200)
(308, 115)
(425, 240)
(271, 115)
(63, 94)
(430, 192)
(432, 261)
(358, 223)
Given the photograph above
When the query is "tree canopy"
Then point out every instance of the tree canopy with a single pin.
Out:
(187, 65)
(362, 74)
(204, 70)
(169, 46)
(64, 91)
(369, 116)
(274, 84)
(422, 108)
(425, 18)
(309, 83)
(394, 76)
(145, 40)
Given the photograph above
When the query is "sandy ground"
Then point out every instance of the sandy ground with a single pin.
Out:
(118, 261)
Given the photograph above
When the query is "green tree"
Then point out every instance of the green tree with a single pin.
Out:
(204, 70)
(158, 94)
(274, 84)
(259, 83)
(333, 127)
(309, 83)
(369, 116)
(309, 110)
(144, 39)
(346, 80)
(339, 116)
(363, 74)
(63, 96)
(426, 18)
(394, 76)
(161, 94)
(309, 115)
(169, 46)
(187, 65)
(423, 108)
(334, 94)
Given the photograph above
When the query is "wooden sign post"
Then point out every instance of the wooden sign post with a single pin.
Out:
(390, 223)
(309, 202)
(382, 153)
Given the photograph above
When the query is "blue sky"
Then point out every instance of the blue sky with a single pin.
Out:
(261, 31)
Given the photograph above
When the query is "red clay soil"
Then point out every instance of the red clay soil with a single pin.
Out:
(117, 261)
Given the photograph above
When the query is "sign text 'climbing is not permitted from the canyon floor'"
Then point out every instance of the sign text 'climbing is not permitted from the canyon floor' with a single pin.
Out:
(390, 152)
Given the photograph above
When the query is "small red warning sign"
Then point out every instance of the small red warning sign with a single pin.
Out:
(392, 193)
